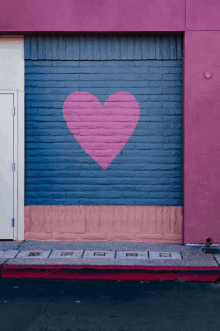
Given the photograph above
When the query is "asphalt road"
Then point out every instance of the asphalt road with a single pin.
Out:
(66, 305)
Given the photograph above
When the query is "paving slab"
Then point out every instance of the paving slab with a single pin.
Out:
(10, 244)
(11, 253)
(98, 254)
(33, 254)
(66, 254)
(197, 257)
(101, 245)
(165, 255)
(133, 255)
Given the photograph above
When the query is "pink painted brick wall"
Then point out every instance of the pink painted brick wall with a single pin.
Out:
(90, 15)
(202, 15)
(201, 137)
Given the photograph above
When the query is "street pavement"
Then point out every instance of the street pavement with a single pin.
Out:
(97, 305)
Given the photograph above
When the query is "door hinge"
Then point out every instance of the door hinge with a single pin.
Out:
(13, 111)
(13, 166)
(13, 222)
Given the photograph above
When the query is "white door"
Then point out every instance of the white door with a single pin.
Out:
(6, 160)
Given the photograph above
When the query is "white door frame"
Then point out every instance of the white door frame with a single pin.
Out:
(18, 229)
(12, 74)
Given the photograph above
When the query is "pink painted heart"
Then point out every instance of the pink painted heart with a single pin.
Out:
(101, 130)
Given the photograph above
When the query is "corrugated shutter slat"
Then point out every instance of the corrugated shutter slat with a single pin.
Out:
(103, 48)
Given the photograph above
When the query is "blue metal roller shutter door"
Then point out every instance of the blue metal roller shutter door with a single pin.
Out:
(149, 169)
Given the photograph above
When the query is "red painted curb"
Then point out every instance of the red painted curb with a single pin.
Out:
(106, 272)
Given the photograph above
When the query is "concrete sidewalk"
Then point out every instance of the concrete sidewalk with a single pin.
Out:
(108, 260)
